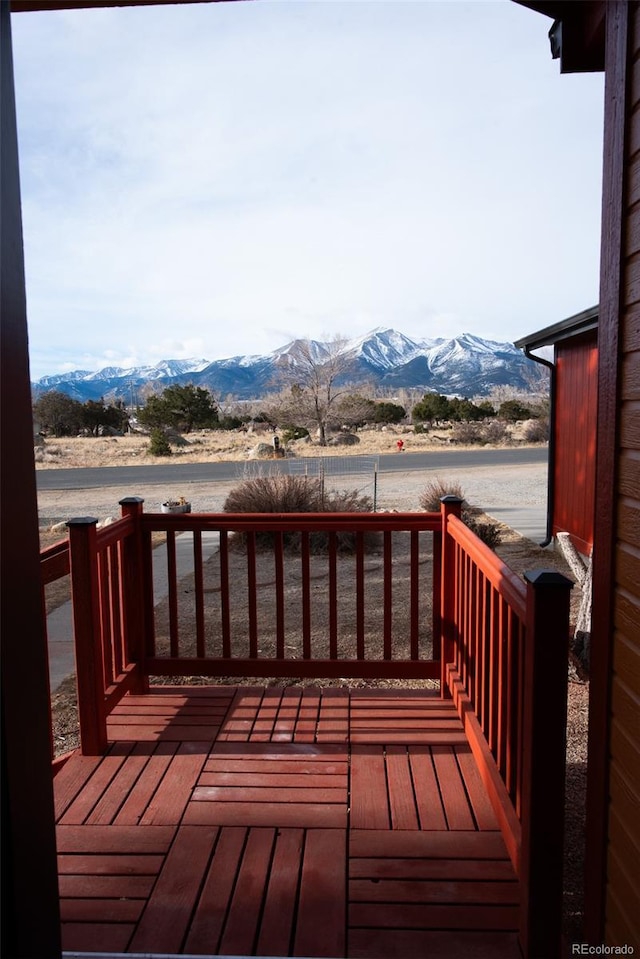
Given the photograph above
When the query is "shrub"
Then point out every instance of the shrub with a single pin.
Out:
(435, 490)
(536, 431)
(290, 433)
(495, 432)
(468, 433)
(159, 444)
(296, 494)
(485, 529)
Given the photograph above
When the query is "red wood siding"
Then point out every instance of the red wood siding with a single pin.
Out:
(575, 438)
(614, 748)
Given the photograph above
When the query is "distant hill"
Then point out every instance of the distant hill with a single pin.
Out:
(465, 365)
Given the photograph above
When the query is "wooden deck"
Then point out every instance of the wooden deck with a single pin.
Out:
(283, 822)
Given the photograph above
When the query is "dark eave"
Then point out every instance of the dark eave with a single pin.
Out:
(564, 330)
(577, 33)
(30, 6)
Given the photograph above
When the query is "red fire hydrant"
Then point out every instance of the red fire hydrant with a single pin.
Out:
(400, 445)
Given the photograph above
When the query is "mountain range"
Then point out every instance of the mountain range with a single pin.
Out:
(466, 365)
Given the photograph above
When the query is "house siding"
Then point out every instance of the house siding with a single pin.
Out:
(622, 898)
(575, 438)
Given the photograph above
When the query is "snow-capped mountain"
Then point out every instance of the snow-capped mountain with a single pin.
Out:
(466, 365)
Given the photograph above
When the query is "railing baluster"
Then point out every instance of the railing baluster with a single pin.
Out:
(225, 618)
(278, 558)
(387, 602)
(198, 577)
(436, 590)
(172, 582)
(333, 596)
(104, 585)
(414, 599)
(306, 597)
(360, 646)
(252, 594)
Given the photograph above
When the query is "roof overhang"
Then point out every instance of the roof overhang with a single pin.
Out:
(577, 33)
(573, 326)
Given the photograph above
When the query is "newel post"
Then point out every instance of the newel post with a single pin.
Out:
(87, 631)
(449, 506)
(544, 760)
(133, 591)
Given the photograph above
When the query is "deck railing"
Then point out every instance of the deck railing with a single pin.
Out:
(497, 644)
(504, 662)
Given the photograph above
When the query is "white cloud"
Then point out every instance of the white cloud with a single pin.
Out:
(225, 174)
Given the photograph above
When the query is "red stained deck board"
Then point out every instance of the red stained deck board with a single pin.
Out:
(105, 887)
(302, 768)
(322, 906)
(128, 840)
(82, 806)
(425, 786)
(241, 927)
(174, 791)
(454, 796)
(278, 814)
(165, 921)
(401, 799)
(96, 937)
(144, 788)
(478, 869)
(109, 865)
(420, 916)
(278, 920)
(368, 843)
(209, 918)
(70, 780)
(369, 800)
(101, 910)
(296, 752)
(160, 731)
(267, 794)
(398, 736)
(443, 944)
(280, 780)
(482, 809)
(437, 891)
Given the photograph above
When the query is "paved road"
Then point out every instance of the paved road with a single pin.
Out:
(134, 477)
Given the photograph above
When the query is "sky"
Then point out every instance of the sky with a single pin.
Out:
(214, 180)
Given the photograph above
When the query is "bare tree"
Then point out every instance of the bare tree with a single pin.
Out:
(315, 374)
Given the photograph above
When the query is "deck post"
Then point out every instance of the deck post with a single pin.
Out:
(449, 506)
(87, 629)
(133, 591)
(543, 762)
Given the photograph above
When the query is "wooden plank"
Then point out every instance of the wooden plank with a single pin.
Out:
(325, 815)
(441, 944)
(165, 922)
(208, 921)
(369, 843)
(281, 780)
(173, 793)
(267, 794)
(159, 732)
(114, 839)
(295, 752)
(477, 869)
(483, 812)
(101, 910)
(454, 797)
(424, 891)
(425, 784)
(71, 779)
(321, 920)
(241, 927)
(401, 798)
(369, 801)
(105, 887)
(420, 916)
(119, 788)
(83, 804)
(299, 768)
(402, 736)
(109, 865)
(278, 920)
(135, 804)
(96, 937)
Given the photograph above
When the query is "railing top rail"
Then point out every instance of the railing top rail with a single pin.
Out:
(309, 522)
(54, 562)
(501, 576)
(62, 546)
(114, 532)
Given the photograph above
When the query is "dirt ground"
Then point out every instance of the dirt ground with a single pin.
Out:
(399, 491)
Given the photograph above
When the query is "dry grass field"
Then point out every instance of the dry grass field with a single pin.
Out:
(210, 446)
